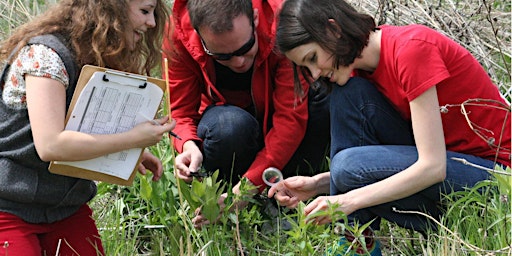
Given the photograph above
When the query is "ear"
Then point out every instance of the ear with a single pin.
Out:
(337, 26)
(256, 17)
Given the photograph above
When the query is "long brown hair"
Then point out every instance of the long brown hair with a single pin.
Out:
(95, 30)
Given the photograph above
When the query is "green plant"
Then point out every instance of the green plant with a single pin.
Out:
(204, 194)
(152, 218)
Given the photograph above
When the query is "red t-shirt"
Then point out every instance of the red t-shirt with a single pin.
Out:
(414, 58)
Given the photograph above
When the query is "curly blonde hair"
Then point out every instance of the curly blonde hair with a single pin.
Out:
(95, 30)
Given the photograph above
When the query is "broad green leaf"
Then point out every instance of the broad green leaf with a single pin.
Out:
(145, 188)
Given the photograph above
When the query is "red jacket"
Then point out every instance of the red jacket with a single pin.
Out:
(192, 88)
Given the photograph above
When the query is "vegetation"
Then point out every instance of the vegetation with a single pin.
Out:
(154, 218)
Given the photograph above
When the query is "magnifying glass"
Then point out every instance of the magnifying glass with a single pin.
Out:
(272, 176)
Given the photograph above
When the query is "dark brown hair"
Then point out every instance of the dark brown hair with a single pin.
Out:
(218, 15)
(308, 21)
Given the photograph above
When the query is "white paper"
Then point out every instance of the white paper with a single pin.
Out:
(113, 107)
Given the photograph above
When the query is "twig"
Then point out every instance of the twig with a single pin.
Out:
(168, 102)
(466, 162)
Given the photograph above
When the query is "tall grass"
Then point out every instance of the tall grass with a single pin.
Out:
(154, 218)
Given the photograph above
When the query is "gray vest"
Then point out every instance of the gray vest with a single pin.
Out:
(27, 189)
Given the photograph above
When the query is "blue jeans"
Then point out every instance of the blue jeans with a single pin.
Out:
(370, 141)
(232, 137)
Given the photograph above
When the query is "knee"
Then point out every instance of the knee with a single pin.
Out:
(228, 123)
(346, 167)
(354, 86)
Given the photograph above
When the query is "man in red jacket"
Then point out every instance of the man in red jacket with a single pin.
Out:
(232, 94)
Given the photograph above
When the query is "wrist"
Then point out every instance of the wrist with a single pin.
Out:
(322, 183)
(251, 192)
(189, 144)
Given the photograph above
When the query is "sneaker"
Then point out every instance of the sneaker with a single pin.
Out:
(347, 247)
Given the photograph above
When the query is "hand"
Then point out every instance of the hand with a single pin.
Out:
(199, 220)
(321, 203)
(151, 163)
(148, 134)
(188, 161)
(291, 191)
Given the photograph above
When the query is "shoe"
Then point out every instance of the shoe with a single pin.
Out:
(346, 246)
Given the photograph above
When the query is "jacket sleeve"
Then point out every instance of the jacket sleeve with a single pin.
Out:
(289, 124)
(184, 88)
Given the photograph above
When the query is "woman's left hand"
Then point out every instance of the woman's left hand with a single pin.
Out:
(151, 163)
(321, 203)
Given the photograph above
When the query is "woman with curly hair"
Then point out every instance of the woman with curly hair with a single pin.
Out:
(39, 210)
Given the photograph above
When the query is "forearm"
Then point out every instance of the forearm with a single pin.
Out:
(417, 177)
(430, 168)
(76, 146)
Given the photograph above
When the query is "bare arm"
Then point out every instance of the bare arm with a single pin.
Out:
(46, 100)
(430, 168)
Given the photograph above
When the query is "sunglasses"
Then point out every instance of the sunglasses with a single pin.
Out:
(227, 56)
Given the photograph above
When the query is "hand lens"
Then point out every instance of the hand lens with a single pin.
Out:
(272, 176)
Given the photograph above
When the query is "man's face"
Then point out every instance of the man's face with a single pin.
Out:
(235, 49)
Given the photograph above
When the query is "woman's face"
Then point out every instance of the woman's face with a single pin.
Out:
(141, 14)
(319, 62)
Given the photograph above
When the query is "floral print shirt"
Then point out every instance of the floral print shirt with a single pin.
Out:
(36, 60)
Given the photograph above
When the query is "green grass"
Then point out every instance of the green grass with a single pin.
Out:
(154, 218)
(159, 223)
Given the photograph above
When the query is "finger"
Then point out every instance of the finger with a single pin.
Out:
(295, 182)
(180, 166)
(311, 218)
(142, 169)
(285, 201)
(172, 122)
(194, 166)
(324, 220)
(182, 175)
(281, 197)
(272, 190)
(199, 225)
(311, 206)
(158, 173)
(197, 211)
(293, 203)
(163, 120)
(200, 221)
(155, 167)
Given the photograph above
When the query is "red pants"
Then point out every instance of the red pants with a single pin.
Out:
(75, 235)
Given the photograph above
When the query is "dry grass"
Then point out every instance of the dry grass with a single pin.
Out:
(482, 26)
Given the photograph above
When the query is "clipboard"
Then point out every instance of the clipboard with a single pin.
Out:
(107, 101)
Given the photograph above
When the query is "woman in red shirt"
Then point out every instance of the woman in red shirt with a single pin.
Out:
(398, 136)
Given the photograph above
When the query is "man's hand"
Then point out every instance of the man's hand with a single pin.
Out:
(200, 220)
(188, 161)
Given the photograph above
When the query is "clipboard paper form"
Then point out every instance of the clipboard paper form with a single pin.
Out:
(106, 102)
